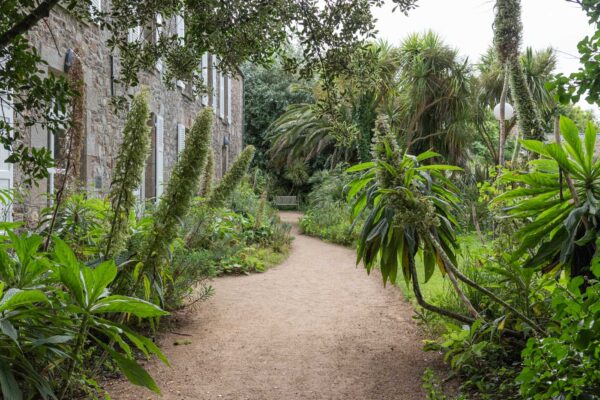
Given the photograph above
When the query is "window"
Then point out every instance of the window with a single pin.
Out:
(6, 170)
(204, 67)
(55, 140)
(160, 154)
(157, 34)
(95, 7)
(229, 105)
(180, 137)
(221, 95)
(134, 34)
(154, 175)
(214, 85)
(180, 28)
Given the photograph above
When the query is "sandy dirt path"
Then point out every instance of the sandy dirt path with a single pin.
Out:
(314, 327)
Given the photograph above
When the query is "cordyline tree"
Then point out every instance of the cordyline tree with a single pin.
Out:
(235, 30)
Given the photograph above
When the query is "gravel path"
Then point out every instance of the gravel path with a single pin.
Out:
(314, 327)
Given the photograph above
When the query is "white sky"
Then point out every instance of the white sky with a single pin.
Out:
(467, 25)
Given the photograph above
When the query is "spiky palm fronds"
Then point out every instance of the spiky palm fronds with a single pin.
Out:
(433, 103)
(300, 134)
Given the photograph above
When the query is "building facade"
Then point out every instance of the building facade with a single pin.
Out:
(173, 109)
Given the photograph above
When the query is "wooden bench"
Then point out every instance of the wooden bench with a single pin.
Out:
(286, 201)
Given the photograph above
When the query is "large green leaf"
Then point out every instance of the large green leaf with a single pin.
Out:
(361, 167)
(134, 372)
(571, 134)
(103, 275)
(129, 305)
(8, 383)
(14, 298)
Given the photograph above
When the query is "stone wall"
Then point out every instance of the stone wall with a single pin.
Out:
(102, 124)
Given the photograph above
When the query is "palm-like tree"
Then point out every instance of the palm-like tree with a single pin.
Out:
(339, 126)
(433, 97)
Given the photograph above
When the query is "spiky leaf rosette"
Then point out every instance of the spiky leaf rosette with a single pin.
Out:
(128, 172)
(561, 224)
(209, 171)
(232, 178)
(175, 202)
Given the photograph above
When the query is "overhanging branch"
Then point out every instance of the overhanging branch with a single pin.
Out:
(21, 27)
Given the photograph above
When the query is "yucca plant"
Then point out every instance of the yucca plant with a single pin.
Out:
(558, 197)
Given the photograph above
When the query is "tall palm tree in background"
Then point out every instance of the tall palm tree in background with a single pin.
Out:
(433, 107)
(421, 88)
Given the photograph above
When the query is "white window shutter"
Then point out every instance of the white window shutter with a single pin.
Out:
(6, 169)
(157, 34)
(134, 34)
(214, 83)
(160, 154)
(205, 77)
(180, 137)
(180, 26)
(95, 7)
(221, 95)
(229, 106)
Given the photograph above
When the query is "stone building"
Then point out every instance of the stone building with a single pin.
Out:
(173, 109)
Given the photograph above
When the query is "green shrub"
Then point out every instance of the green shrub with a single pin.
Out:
(566, 364)
(52, 308)
(81, 222)
(328, 216)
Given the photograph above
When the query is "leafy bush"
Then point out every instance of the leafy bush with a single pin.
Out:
(53, 307)
(566, 364)
(328, 216)
(81, 222)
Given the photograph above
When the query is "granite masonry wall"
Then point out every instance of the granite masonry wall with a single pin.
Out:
(103, 125)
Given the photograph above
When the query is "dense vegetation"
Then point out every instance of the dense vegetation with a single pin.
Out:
(492, 232)
(78, 296)
(394, 149)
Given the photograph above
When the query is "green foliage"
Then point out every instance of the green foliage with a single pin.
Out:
(484, 360)
(563, 228)
(175, 202)
(586, 81)
(403, 200)
(127, 175)
(328, 215)
(245, 235)
(52, 308)
(434, 87)
(232, 178)
(209, 172)
(566, 364)
(81, 222)
(268, 91)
